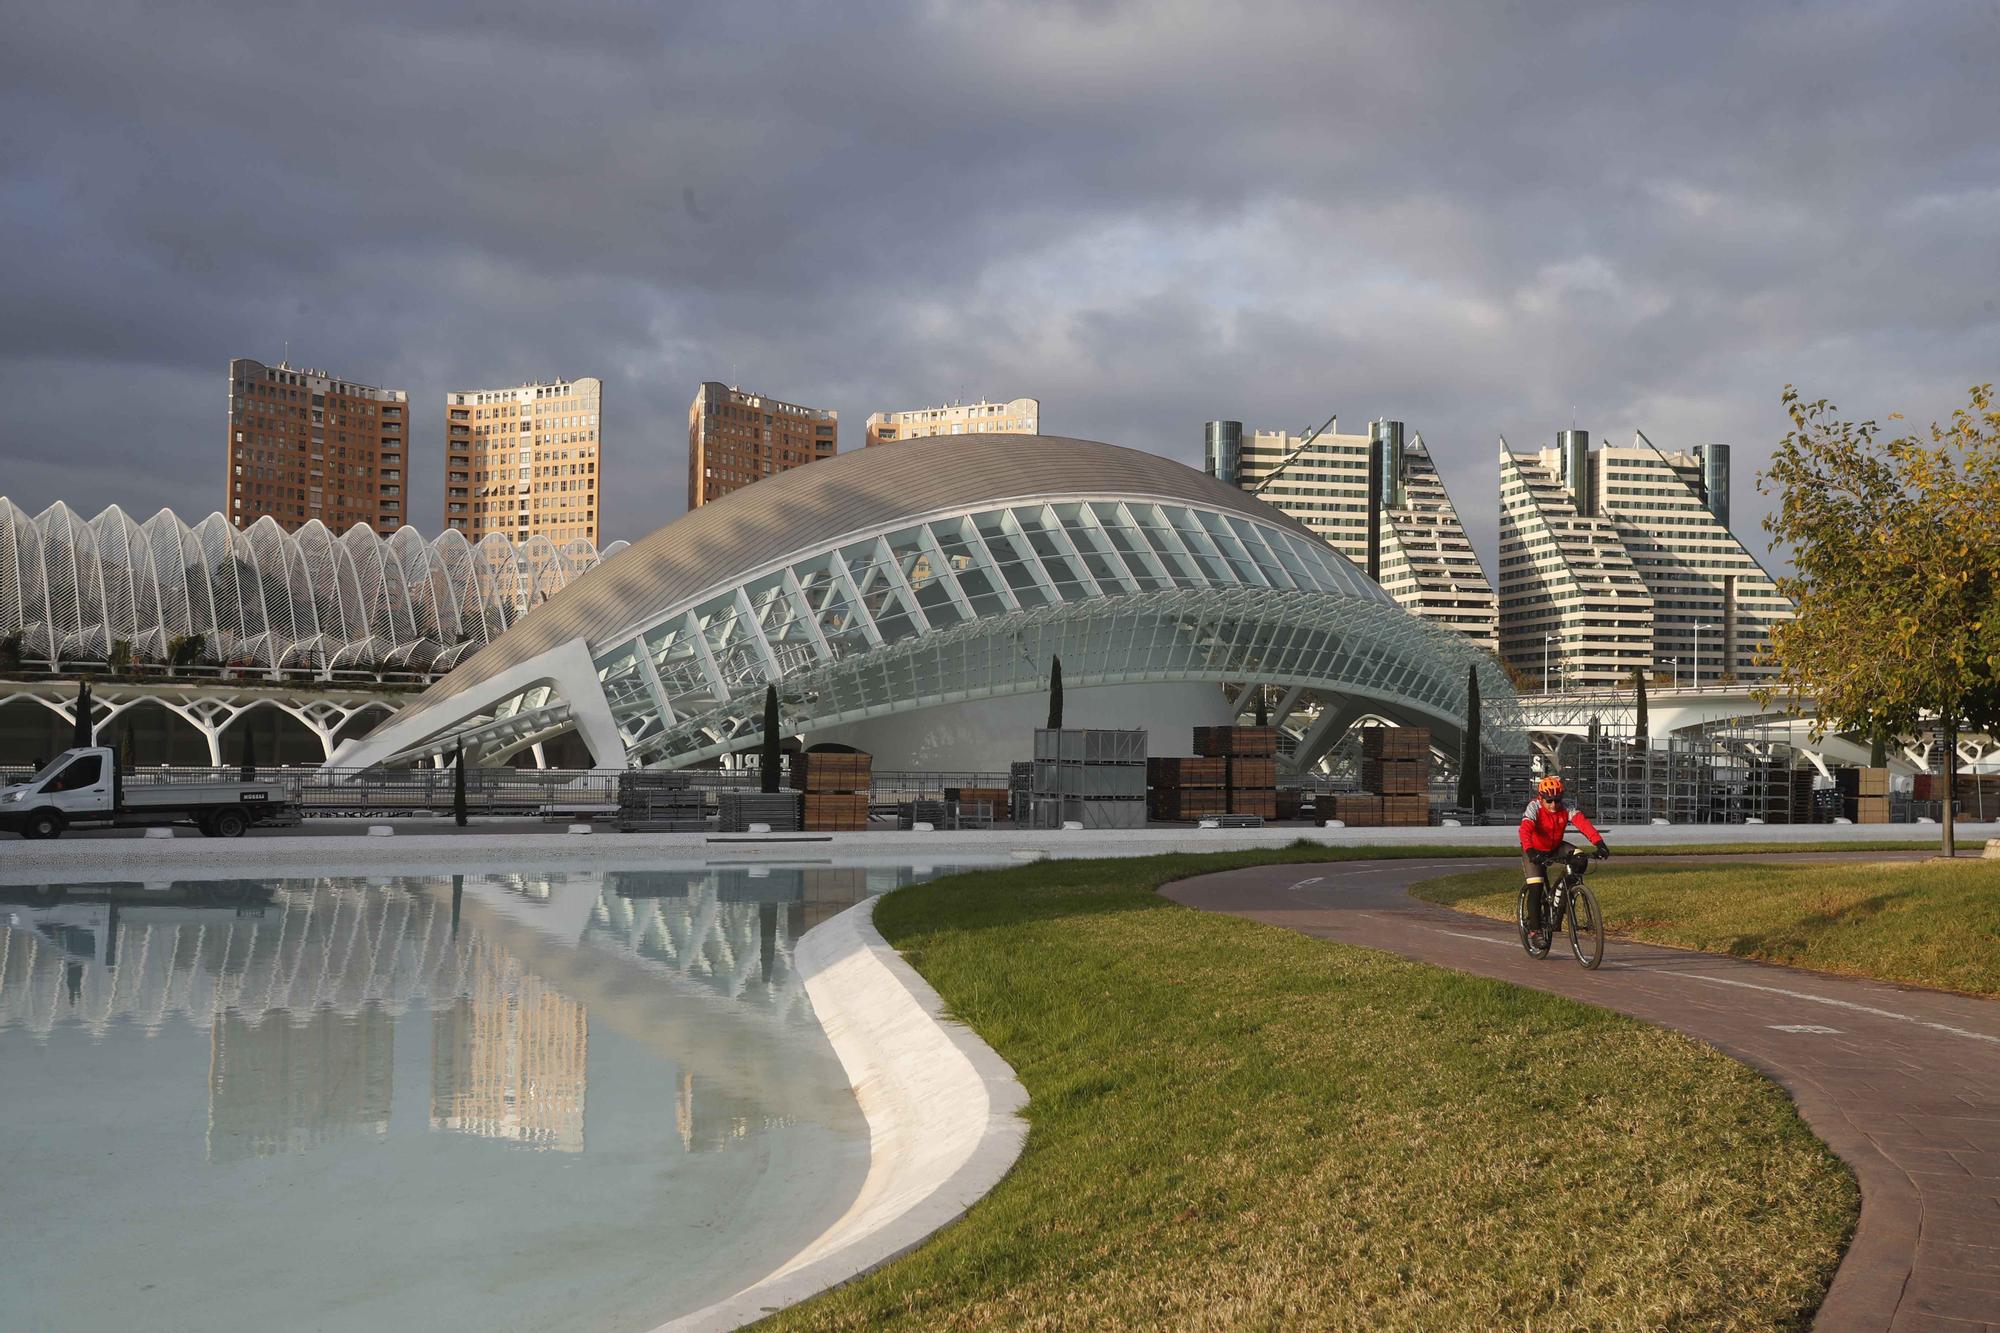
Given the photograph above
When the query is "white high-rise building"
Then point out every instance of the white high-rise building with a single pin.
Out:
(1410, 541)
(1619, 559)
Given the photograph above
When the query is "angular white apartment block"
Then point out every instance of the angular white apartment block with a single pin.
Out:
(1619, 559)
(1409, 538)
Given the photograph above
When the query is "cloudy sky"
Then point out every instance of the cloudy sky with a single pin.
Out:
(1476, 217)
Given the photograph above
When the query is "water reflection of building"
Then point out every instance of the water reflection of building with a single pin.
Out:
(281, 1083)
(509, 1058)
(298, 985)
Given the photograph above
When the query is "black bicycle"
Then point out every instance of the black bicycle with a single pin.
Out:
(1570, 904)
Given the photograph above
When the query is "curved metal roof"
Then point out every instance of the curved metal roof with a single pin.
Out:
(861, 491)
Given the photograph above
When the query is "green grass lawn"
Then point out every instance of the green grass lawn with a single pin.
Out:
(1930, 923)
(1234, 1125)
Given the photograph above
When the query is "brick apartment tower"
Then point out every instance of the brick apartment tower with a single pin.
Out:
(735, 438)
(524, 460)
(306, 445)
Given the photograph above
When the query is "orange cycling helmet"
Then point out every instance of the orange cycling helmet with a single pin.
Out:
(1550, 788)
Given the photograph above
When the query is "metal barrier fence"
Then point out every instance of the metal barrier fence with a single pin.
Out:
(514, 791)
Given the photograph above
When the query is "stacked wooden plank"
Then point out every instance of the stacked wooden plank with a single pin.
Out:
(1250, 785)
(1973, 788)
(976, 803)
(1864, 794)
(835, 785)
(1179, 788)
(1396, 768)
(1356, 809)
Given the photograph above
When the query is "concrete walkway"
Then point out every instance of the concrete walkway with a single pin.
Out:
(1903, 1083)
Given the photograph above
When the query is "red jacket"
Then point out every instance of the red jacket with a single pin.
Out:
(1542, 828)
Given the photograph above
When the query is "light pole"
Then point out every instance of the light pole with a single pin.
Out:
(1695, 678)
(1675, 663)
(1547, 639)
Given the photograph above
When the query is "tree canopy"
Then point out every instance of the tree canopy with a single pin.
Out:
(1897, 566)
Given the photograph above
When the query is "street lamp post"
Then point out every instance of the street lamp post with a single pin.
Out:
(1695, 678)
(1675, 663)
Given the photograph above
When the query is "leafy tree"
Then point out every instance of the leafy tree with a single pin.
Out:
(1055, 693)
(1898, 572)
(11, 648)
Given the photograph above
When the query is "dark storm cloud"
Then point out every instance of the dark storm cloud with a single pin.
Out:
(1472, 217)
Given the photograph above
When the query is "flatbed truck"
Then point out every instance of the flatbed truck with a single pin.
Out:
(83, 788)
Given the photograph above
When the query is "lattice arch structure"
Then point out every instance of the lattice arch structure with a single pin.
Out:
(74, 589)
(933, 574)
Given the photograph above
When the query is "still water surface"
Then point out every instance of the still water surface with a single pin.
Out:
(571, 1100)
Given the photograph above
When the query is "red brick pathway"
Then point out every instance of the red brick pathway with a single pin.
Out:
(1902, 1083)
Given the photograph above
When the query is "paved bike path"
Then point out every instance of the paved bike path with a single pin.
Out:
(1903, 1083)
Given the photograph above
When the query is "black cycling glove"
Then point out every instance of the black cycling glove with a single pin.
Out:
(1603, 852)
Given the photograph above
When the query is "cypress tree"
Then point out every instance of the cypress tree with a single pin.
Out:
(458, 786)
(770, 756)
(1469, 795)
(1639, 677)
(1878, 748)
(86, 728)
(248, 772)
(1055, 693)
(1263, 713)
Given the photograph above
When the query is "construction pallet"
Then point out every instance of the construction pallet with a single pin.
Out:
(1236, 742)
(1200, 771)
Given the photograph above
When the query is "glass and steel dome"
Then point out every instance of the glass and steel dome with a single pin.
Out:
(935, 574)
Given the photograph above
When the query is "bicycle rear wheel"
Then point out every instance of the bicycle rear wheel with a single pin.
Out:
(1586, 927)
(1537, 943)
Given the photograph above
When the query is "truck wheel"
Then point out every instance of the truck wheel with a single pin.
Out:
(43, 824)
(228, 823)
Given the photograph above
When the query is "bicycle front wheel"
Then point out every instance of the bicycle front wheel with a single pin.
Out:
(1586, 927)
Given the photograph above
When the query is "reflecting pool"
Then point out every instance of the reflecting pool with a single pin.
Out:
(569, 1100)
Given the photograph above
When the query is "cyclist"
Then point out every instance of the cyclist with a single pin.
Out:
(1543, 824)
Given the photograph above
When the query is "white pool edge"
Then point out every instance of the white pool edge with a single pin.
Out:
(943, 1113)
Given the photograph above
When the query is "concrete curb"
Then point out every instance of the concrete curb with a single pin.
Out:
(942, 1109)
(422, 847)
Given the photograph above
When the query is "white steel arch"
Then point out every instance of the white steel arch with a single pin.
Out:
(262, 597)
